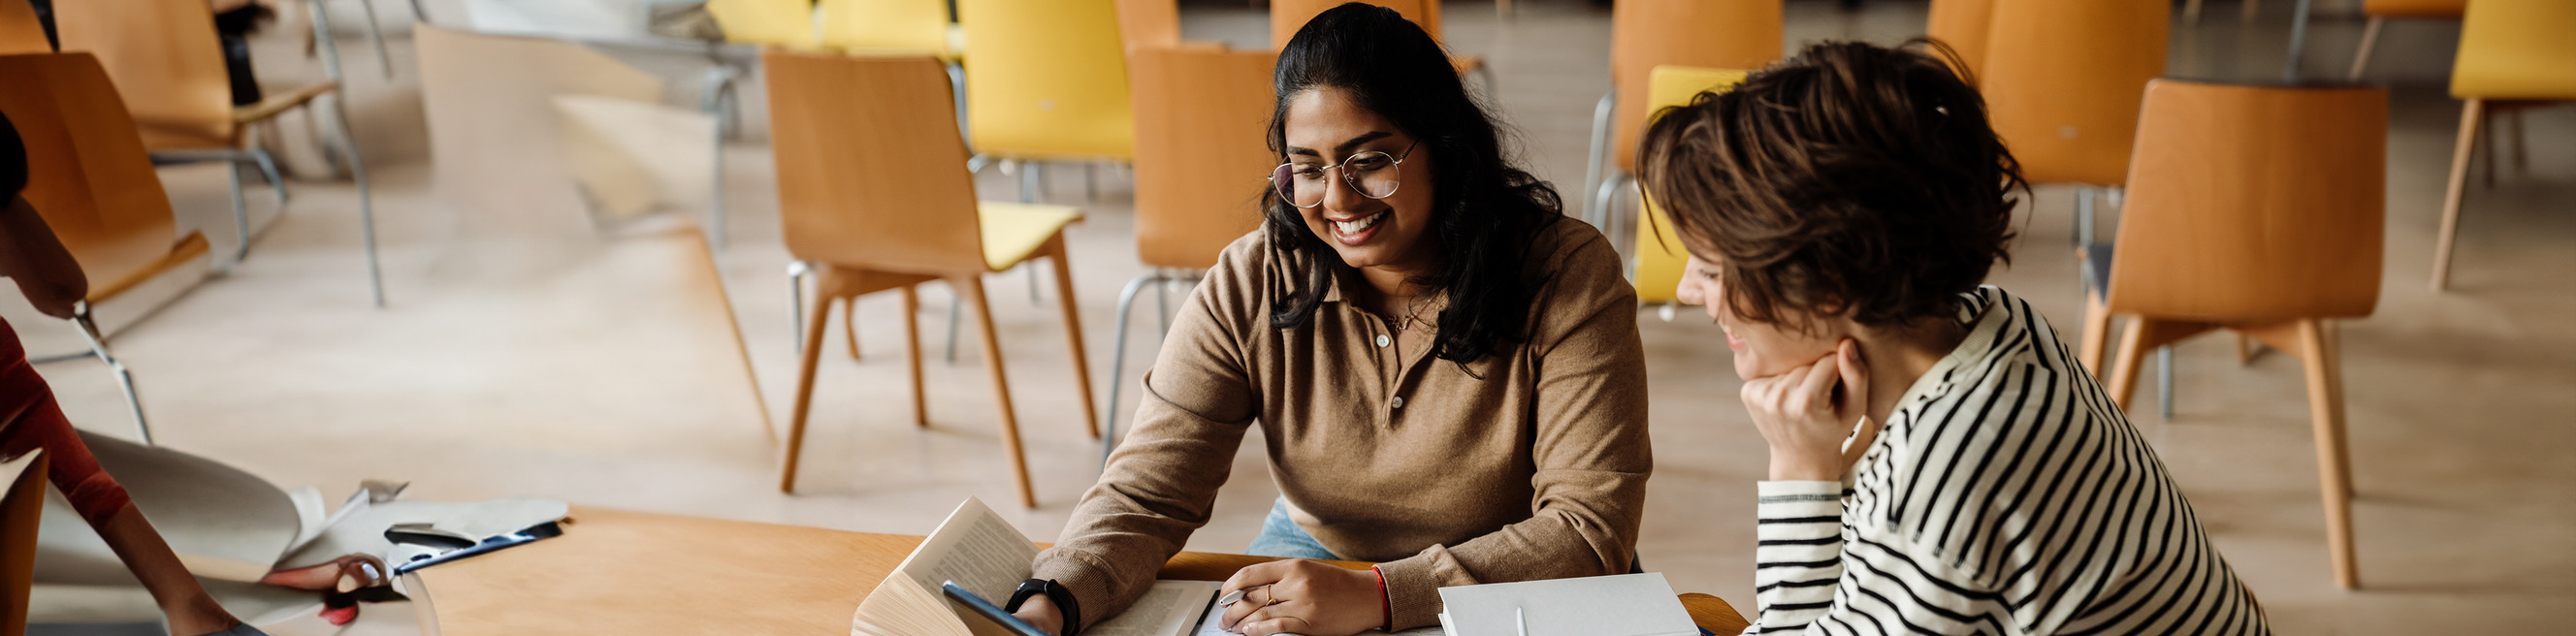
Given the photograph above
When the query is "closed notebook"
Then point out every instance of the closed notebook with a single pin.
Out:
(1621, 605)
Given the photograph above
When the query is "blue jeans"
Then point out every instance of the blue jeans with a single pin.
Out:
(1280, 537)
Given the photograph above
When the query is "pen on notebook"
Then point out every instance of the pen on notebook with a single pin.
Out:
(1520, 618)
(1237, 596)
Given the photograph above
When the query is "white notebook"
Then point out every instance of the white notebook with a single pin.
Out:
(1621, 605)
(984, 554)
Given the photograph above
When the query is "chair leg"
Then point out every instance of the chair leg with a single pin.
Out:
(804, 394)
(2244, 349)
(124, 379)
(1073, 334)
(2469, 120)
(376, 33)
(1600, 155)
(268, 171)
(2125, 362)
(2521, 155)
(241, 212)
(971, 287)
(850, 325)
(796, 272)
(2164, 381)
(955, 302)
(2191, 12)
(1118, 363)
(2097, 329)
(2369, 40)
(912, 349)
(366, 201)
(2334, 460)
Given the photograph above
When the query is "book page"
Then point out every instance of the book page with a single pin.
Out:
(1170, 608)
(977, 549)
(1208, 626)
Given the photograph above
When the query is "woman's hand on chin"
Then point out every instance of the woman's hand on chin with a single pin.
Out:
(1304, 597)
(1805, 419)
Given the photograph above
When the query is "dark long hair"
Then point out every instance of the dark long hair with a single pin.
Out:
(1485, 211)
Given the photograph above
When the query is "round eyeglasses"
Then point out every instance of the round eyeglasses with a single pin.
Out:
(1373, 174)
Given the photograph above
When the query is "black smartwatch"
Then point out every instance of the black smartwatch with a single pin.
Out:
(1057, 594)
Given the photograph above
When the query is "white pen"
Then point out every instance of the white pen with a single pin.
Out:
(1237, 596)
(1521, 618)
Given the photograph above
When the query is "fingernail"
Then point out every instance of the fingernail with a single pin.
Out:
(348, 584)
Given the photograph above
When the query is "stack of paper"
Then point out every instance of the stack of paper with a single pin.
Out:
(1623, 605)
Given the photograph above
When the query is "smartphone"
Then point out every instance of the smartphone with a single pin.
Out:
(989, 610)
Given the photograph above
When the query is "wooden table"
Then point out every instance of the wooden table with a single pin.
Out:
(618, 572)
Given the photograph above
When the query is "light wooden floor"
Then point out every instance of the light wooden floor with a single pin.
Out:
(600, 371)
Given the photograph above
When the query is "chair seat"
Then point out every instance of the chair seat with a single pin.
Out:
(132, 267)
(2414, 8)
(1013, 232)
(2517, 50)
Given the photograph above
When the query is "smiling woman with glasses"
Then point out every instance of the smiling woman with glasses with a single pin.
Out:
(1444, 371)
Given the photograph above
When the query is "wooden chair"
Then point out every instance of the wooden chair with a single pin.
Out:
(169, 65)
(2513, 53)
(1660, 257)
(1287, 16)
(2258, 209)
(872, 191)
(20, 31)
(1645, 34)
(22, 509)
(91, 180)
(1202, 161)
(1962, 24)
(2381, 10)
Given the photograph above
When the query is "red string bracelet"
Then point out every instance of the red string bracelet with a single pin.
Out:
(1385, 601)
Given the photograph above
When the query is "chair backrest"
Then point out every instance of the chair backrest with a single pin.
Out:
(871, 170)
(1202, 150)
(87, 173)
(1287, 16)
(2414, 8)
(914, 25)
(495, 140)
(1659, 253)
(1645, 34)
(2254, 203)
(22, 508)
(1962, 24)
(20, 31)
(2517, 49)
(788, 23)
(1144, 23)
(167, 62)
(2062, 81)
(1047, 79)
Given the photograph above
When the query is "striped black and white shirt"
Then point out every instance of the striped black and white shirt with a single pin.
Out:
(2006, 494)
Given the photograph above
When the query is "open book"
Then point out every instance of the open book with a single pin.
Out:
(984, 554)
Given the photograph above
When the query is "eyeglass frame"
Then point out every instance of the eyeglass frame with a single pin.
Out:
(1346, 176)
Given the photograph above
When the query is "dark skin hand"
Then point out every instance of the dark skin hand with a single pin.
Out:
(30, 255)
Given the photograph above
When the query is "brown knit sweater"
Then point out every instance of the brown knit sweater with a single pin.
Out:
(1530, 463)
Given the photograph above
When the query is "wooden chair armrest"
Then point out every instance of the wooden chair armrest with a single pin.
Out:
(277, 103)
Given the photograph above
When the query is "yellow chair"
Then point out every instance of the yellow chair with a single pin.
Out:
(2262, 210)
(872, 191)
(910, 25)
(2512, 52)
(2381, 10)
(1660, 257)
(89, 177)
(1047, 80)
(1202, 158)
(787, 23)
(1646, 34)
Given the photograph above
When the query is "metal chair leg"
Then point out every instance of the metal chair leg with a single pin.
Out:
(377, 34)
(2369, 40)
(1118, 365)
(1600, 155)
(796, 271)
(2164, 380)
(349, 148)
(268, 170)
(124, 379)
(241, 212)
(954, 302)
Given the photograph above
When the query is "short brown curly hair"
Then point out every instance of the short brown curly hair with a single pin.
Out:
(1850, 180)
